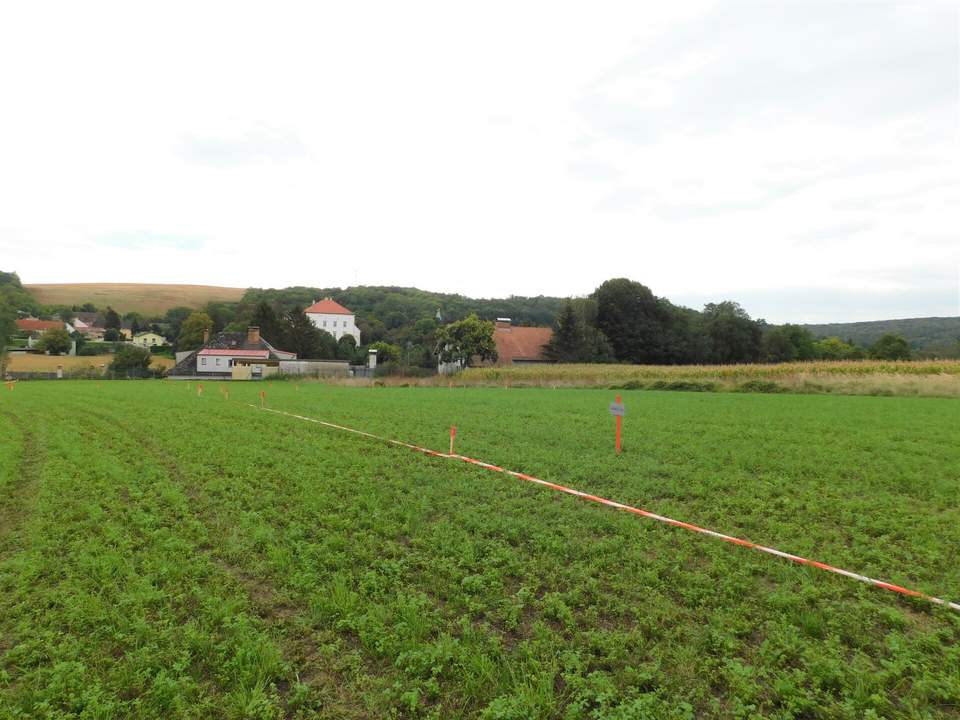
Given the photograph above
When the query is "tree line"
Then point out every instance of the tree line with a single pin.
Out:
(623, 321)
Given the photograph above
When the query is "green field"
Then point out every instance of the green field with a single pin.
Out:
(164, 555)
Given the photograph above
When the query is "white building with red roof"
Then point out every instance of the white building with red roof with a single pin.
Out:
(334, 318)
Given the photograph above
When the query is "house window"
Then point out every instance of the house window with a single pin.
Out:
(324, 323)
(203, 361)
(218, 361)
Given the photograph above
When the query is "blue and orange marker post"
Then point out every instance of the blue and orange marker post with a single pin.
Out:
(618, 411)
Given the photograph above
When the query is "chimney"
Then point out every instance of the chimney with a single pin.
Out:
(503, 323)
(253, 335)
(206, 335)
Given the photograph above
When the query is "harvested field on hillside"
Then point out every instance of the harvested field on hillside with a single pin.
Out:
(148, 299)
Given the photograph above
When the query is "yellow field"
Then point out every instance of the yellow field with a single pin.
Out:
(933, 378)
(133, 297)
(48, 363)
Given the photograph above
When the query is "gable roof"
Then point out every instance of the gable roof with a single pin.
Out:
(235, 353)
(328, 306)
(230, 343)
(34, 325)
(521, 343)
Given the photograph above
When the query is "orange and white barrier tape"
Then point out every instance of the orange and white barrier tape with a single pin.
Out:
(636, 511)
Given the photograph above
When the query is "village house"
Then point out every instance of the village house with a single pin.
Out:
(334, 318)
(237, 355)
(148, 339)
(33, 326)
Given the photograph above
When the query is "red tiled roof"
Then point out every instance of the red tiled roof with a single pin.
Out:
(520, 343)
(328, 307)
(235, 353)
(39, 325)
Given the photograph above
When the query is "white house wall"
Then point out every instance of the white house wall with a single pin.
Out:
(211, 365)
(336, 325)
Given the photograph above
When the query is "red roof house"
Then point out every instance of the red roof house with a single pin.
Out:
(328, 306)
(32, 325)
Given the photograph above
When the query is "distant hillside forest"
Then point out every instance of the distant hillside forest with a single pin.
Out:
(621, 321)
(930, 334)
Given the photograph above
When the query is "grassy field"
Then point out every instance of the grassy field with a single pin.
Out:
(133, 297)
(934, 378)
(29, 362)
(168, 555)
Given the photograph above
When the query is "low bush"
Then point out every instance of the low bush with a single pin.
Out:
(760, 386)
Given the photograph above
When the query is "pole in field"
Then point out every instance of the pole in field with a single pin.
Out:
(453, 434)
(263, 398)
(199, 390)
(618, 411)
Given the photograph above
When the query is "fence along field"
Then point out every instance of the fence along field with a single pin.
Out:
(207, 559)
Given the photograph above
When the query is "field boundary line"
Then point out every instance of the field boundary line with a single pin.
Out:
(634, 510)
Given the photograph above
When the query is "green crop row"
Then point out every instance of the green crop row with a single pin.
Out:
(169, 554)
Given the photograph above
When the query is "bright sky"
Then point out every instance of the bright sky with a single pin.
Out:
(800, 157)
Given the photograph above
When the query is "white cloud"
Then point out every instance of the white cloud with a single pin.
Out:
(496, 149)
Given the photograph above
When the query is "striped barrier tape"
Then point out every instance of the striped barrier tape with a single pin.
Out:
(635, 510)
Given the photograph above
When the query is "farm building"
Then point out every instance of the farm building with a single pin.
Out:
(331, 316)
(516, 345)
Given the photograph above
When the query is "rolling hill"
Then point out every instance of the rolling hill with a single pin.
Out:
(149, 299)
(921, 333)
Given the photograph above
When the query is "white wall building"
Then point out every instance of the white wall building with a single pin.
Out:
(331, 316)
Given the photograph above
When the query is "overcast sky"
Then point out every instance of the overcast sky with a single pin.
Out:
(798, 157)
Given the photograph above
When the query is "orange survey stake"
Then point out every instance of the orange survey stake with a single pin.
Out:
(453, 434)
(618, 411)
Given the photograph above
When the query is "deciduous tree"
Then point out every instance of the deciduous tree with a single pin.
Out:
(55, 341)
(891, 347)
(459, 342)
(192, 331)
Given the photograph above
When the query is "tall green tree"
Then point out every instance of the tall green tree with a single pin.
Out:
(787, 343)
(575, 339)
(346, 348)
(55, 341)
(633, 320)
(733, 336)
(833, 348)
(299, 335)
(111, 319)
(891, 347)
(192, 331)
(131, 357)
(174, 319)
(8, 325)
(271, 328)
(462, 341)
